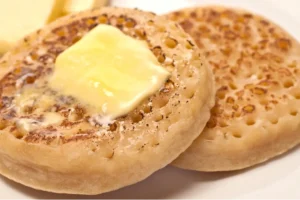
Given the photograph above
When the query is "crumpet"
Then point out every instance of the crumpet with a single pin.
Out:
(257, 73)
(56, 143)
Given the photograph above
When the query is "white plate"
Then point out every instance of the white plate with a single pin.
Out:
(275, 179)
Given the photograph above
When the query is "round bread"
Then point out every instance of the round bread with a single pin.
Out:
(55, 143)
(257, 75)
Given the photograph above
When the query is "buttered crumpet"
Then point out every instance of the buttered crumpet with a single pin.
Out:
(257, 73)
(99, 100)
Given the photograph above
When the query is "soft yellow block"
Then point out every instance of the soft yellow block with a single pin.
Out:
(21, 17)
(72, 6)
(108, 70)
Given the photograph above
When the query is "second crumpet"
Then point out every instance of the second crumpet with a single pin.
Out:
(257, 70)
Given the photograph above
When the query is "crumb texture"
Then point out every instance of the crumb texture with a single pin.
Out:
(257, 73)
(56, 143)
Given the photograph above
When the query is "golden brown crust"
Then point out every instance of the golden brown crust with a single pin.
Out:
(257, 68)
(79, 154)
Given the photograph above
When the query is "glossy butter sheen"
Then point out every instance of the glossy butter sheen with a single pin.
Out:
(108, 70)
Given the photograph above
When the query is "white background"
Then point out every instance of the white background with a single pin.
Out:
(278, 178)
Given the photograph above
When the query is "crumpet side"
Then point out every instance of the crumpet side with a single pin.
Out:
(257, 73)
(80, 154)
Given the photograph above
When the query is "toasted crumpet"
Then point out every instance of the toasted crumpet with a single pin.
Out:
(55, 143)
(257, 75)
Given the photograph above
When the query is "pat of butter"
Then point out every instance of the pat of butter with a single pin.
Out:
(109, 71)
(72, 6)
(21, 17)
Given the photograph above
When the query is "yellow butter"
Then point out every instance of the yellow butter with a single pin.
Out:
(72, 6)
(109, 71)
(21, 17)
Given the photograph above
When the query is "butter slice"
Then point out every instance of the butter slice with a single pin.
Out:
(72, 6)
(21, 17)
(108, 70)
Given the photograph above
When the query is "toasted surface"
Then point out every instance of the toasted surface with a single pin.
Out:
(55, 143)
(257, 72)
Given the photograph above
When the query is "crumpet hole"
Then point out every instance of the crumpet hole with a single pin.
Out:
(141, 34)
(232, 86)
(288, 83)
(263, 101)
(189, 74)
(147, 109)
(161, 58)
(211, 123)
(150, 22)
(120, 20)
(109, 154)
(170, 67)
(130, 23)
(137, 117)
(237, 114)
(113, 127)
(294, 113)
(158, 118)
(171, 42)
(162, 102)
(293, 64)
(297, 96)
(3, 124)
(102, 19)
(189, 93)
(221, 95)
(19, 135)
(223, 124)
(169, 85)
(250, 122)
(274, 121)
(161, 28)
(236, 135)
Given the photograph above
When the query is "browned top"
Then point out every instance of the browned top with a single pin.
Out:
(29, 65)
(255, 63)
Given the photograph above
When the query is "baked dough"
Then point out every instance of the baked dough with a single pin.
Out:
(55, 143)
(257, 72)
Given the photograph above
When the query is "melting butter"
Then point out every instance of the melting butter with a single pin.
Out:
(108, 70)
(52, 118)
(49, 118)
(33, 97)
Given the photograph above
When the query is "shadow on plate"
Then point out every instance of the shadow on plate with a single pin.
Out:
(165, 183)
(162, 184)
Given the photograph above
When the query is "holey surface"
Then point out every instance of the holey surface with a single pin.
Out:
(275, 179)
(56, 143)
(257, 69)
